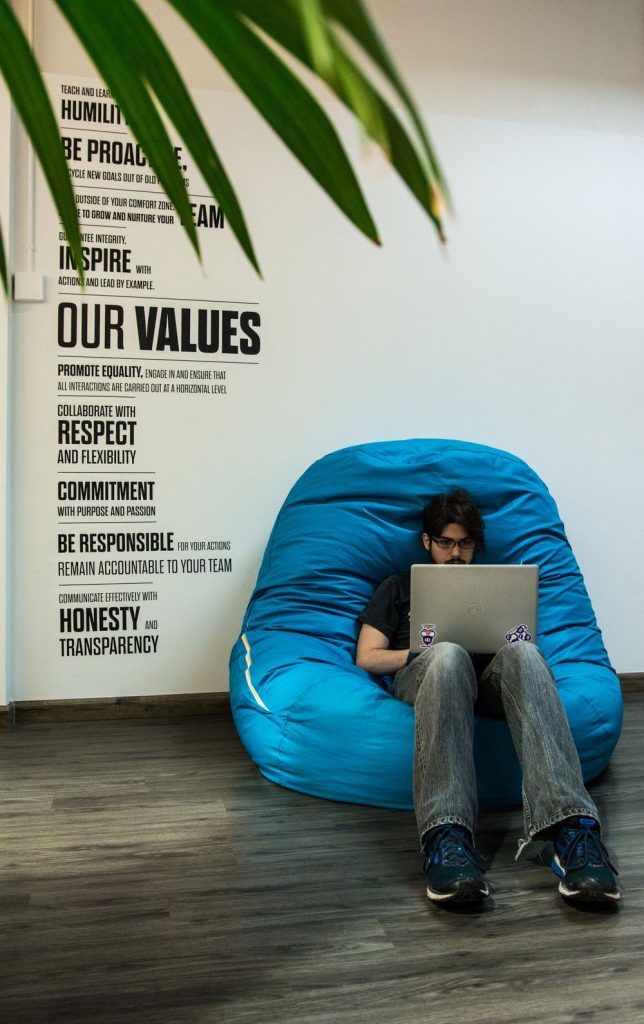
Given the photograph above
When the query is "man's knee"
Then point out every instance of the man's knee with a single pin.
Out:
(521, 661)
(446, 665)
(523, 652)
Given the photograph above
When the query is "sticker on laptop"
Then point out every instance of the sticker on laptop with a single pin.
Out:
(427, 634)
(518, 634)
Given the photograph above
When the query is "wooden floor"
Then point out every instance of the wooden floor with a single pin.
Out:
(149, 874)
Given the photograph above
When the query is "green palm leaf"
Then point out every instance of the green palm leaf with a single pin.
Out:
(141, 67)
(355, 20)
(280, 20)
(111, 43)
(3, 263)
(139, 71)
(283, 101)
(31, 101)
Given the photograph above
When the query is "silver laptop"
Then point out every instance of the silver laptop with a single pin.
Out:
(480, 607)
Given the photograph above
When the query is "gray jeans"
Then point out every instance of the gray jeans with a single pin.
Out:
(518, 685)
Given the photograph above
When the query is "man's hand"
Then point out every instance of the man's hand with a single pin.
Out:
(374, 654)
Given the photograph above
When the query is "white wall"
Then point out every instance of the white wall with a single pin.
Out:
(574, 63)
(5, 175)
(524, 336)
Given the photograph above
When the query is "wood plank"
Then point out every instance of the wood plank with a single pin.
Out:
(151, 876)
(632, 682)
(96, 709)
(163, 706)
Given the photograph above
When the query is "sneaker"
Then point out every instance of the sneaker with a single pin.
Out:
(453, 865)
(582, 863)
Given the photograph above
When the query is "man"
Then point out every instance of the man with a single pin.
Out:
(447, 685)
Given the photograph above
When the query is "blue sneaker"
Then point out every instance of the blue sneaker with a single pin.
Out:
(582, 864)
(453, 865)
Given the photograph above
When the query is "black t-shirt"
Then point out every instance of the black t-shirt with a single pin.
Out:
(388, 611)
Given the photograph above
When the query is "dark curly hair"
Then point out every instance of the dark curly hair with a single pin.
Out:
(456, 507)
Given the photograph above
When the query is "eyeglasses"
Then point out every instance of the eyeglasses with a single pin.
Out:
(447, 544)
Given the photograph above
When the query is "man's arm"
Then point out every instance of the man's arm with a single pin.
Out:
(374, 654)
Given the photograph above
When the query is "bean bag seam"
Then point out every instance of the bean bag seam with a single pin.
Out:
(460, 446)
(292, 708)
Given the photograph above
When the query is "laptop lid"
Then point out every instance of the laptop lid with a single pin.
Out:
(480, 607)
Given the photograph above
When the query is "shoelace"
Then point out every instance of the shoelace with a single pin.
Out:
(582, 847)
(454, 846)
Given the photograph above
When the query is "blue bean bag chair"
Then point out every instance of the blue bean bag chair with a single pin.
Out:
(314, 722)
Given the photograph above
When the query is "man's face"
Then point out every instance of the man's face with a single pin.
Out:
(441, 552)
